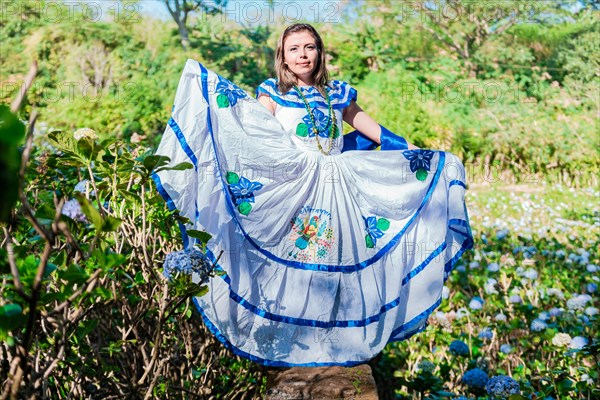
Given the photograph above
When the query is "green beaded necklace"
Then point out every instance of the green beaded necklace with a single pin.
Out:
(314, 125)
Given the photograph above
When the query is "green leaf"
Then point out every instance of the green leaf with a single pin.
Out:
(111, 224)
(85, 328)
(232, 178)
(245, 208)
(155, 161)
(74, 274)
(202, 237)
(90, 211)
(179, 167)
(222, 101)
(383, 224)
(369, 241)
(421, 174)
(302, 130)
(50, 268)
(11, 317)
(12, 130)
(64, 142)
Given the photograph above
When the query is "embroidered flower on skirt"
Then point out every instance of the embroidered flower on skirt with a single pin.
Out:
(375, 229)
(187, 262)
(420, 162)
(229, 94)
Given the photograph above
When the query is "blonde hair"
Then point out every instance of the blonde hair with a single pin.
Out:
(287, 79)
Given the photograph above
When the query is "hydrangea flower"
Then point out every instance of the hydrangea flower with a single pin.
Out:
(591, 288)
(445, 292)
(592, 268)
(561, 339)
(459, 348)
(72, 209)
(476, 303)
(490, 286)
(81, 187)
(556, 292)
(501, 234)
(493, 267)
(502, 386)
(486, 334)
(544, 316)
(530, 274)
(475, 378)
(474, 265)
(578, 342)
(187, 262)
(506, 348)
(578, 302)
(555, 312)
(537, 325)
(515, 299)
(591, 311)
(462, 312)
(426, 366)
(500, 317)
(441, 318)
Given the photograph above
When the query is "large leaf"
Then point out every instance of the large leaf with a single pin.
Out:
(12, 132)
(11, 317)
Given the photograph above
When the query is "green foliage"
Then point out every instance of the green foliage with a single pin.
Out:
(12, 132)
(82, 273)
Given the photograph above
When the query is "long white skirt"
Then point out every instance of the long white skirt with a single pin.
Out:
(326, 258)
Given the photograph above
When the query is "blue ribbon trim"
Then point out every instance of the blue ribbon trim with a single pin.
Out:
(457, 182)
(325, 324)
(183, 142)
(314, 97)
(413, 322)
(269, 363)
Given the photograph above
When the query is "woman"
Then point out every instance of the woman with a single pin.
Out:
(329, 255)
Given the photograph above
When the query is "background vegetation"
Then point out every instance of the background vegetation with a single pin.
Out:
(85, 312)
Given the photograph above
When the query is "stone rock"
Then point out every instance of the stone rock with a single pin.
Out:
(321, 383)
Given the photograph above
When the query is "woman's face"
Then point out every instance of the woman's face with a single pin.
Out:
(300, 54)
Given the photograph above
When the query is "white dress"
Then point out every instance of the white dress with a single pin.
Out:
(326, 258)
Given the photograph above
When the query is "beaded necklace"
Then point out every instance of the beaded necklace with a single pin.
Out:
(332, 127)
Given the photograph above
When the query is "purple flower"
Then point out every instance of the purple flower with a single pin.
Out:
(476, 303)
(502, 386)
(475, 378)
(506, 348)
(419, 159)
(82, 186)
(459, 348)
(72, 209)
(501, 234)
(578, 342)
(187, 262)
(486, 334)
(537, 325)
(493, 267)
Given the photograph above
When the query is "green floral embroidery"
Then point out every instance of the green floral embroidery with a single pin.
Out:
(302, 130)
(242, 191)
(375, 230)
(222, 101)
